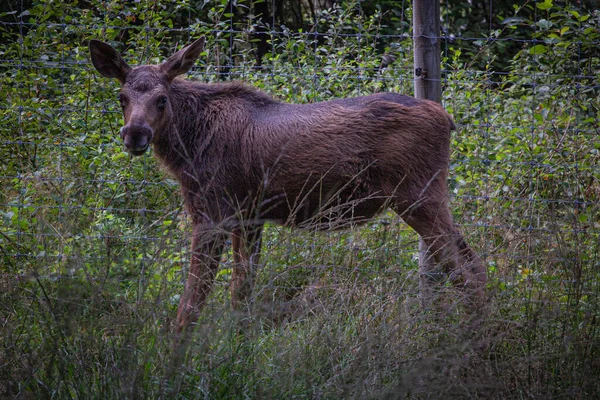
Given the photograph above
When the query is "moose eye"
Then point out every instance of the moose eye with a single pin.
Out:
(162, 102)
(122, 100)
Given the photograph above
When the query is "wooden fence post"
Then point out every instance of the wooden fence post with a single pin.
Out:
(427, 81)
(426, 40)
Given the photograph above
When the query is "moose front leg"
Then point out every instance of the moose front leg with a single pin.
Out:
(207, 248)
(246, 242)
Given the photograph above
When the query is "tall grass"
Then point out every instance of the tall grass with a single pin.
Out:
(343, 322)
(94, 245)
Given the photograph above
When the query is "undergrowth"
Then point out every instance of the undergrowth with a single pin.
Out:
(94, 245)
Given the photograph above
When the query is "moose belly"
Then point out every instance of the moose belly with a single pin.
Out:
(315, 210)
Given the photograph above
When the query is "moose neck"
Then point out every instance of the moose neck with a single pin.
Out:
(199, 112)
(174, 143)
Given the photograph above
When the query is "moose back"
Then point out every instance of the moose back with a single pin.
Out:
(243, 158)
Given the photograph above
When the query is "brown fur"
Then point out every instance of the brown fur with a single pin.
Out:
(243, 158)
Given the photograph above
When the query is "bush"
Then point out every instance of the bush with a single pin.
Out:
(94, 244)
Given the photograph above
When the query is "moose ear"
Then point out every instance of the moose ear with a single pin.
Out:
(107, 61)
(181, 62)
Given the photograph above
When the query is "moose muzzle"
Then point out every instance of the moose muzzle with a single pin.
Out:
(137, 138)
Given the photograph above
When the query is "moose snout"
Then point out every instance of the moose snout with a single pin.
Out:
(137, 138)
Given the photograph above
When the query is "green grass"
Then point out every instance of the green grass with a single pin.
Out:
(94, 244)
(336, 316)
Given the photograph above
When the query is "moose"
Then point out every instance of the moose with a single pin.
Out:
(243, 158)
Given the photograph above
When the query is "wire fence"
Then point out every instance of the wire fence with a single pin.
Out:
(94, 243)
(524, 174)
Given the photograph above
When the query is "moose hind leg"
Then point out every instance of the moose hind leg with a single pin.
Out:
(444, 254)
(431, 273)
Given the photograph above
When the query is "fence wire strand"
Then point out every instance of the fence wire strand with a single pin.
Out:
(58, 150)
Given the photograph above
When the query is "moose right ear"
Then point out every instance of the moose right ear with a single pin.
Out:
(180, 62)
(107, 61)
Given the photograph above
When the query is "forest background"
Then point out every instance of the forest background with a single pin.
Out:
(94, 244)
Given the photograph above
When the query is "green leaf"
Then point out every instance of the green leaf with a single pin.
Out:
(514, 21)
(546, 5)
(538, 49)
(23, 224)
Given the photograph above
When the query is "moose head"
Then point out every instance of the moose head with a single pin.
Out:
(144, 95)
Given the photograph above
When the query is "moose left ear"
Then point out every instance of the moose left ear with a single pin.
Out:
(108, 61)
(181, 62)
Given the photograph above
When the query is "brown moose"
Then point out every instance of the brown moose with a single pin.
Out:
(243, 158)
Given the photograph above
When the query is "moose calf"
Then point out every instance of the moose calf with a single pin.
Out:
(243, 158)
